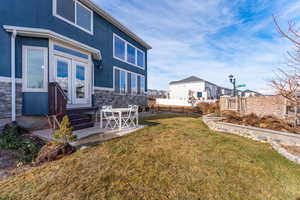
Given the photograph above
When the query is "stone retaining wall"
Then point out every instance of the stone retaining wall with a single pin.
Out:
(259, 134)
(103, 97)
(275, 138)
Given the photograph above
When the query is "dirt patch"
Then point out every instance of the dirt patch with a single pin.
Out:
(8, 161)
(295, 150)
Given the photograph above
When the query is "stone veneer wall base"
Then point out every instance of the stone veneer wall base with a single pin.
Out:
(275, 138)
(5, 102)
(103, 97)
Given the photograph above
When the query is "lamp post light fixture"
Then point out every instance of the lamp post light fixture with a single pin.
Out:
(233, 81)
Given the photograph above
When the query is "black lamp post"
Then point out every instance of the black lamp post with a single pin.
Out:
(233, 81)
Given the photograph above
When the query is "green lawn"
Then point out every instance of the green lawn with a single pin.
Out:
(175, 157)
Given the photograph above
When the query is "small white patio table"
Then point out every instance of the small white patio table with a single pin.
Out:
(119, 111)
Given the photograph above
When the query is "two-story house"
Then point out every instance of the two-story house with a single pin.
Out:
(94, 58)
(202, 89)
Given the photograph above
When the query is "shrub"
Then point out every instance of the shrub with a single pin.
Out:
(65, 133)
(208, 108)
(13, 138)
(231, 116)
(250, 120)
(54, 151)
(60, 146)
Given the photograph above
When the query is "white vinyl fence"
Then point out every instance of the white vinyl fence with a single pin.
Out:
(178, 102)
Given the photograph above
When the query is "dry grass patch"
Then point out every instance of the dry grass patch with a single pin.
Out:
(175, 157)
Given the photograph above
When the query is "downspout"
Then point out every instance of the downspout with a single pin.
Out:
(13, 76)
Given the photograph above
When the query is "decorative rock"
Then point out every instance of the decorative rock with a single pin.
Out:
(262, 138)
(83, 147)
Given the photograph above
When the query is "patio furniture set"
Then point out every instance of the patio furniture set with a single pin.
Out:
(118, 118)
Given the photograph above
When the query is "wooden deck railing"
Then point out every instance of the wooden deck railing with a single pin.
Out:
(57, 100)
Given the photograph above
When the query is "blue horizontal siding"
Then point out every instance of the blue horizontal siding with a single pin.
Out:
(35, 103)
(26, 41)
(25, 13)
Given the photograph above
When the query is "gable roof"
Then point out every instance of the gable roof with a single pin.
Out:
(190, 79)
(251, 91)
(92, 5)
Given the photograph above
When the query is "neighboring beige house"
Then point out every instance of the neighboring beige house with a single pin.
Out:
(203, 90)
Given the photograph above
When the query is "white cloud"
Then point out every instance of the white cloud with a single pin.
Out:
(208, 38)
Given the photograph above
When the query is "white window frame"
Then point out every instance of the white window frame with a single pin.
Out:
(25, 69)
(126, 82)
(136, 83)
(136, 49)
(144, 89)
(75, 24)
(125, 49)
(144, 59)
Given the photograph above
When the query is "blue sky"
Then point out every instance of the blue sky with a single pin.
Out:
(209, 38)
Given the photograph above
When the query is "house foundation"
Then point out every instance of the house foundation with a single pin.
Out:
(103, 97)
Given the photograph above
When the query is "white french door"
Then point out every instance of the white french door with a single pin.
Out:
(74, 78)
(80, 83)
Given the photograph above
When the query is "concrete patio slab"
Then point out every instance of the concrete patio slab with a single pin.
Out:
(90, 135)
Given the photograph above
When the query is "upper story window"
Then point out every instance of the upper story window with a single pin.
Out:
(73, 12)
(131, 54)
(140, 59)
(128, 53)
(119, 47)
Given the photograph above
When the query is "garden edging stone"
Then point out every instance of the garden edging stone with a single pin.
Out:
(275, 138)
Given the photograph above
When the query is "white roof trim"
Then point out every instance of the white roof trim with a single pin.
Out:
(115, 22)
(45, 33)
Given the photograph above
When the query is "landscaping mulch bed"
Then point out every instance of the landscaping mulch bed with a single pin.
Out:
(9, 160)
(266, 122)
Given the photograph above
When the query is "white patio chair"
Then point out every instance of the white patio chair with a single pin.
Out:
(130, 118)
(126, 117)
(112, 121)
(134, 116)
(98, 113)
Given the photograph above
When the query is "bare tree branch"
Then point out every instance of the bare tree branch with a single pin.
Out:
(287, 81)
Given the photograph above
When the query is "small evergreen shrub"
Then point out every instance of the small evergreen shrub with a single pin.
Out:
(65, 133)
(60, 146)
